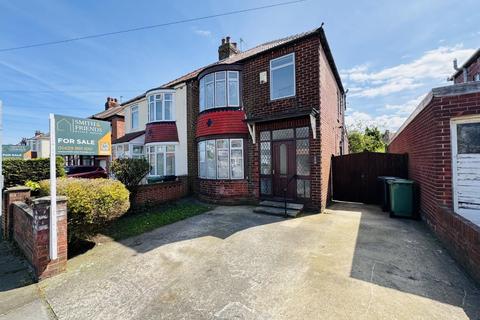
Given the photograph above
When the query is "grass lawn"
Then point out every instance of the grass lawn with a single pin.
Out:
(135, 224)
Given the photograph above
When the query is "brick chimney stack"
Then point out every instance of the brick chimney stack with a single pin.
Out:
(111, 103)
(227, 49)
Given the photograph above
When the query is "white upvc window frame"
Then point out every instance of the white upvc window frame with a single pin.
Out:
(454, 155)
(227, 80)
(279, 67)
(215, 157)
(129, 153)
(155, 146)
(160, 96)
(134, 110)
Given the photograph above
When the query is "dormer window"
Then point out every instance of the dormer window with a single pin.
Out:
(219, 90)
(160, 106)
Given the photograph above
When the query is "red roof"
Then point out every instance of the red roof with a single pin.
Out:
(221, 122)
(161, 132)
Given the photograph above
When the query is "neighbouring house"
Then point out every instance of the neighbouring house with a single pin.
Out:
(442, 140)
(156, 128)
(39, 144)
(258, 124)
(469, 71)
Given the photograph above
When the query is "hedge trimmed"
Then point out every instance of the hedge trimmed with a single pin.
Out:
(17, 172)
(91, 203)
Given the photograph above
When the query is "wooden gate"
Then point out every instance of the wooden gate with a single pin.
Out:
(354, 176)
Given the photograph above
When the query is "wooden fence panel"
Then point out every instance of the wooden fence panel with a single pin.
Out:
(354, 176)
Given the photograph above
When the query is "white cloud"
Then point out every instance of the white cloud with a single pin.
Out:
(407, 107)
(359, 120)
(203, 33)
(432, 65)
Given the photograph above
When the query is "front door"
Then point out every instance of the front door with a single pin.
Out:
(284, 169)
(465, 134)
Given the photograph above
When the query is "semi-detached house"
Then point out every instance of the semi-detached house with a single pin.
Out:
(258, 124)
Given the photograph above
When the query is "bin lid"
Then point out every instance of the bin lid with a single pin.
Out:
(398, 180)
(386, 178)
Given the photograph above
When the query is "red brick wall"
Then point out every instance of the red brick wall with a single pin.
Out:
(472, 70)
(23, 229)
(158, 193)
(118, 127)
(32, 235)
(221, 122)
(223, 191)
(330, 126)
(10, 196)
(426, 139)
(256, 96)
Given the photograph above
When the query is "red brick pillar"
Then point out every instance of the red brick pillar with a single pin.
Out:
(10, 196)
(44, 267)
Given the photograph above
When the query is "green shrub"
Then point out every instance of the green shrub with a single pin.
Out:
(17, 172)
(130, 172)
(33, 185)
(91, 203)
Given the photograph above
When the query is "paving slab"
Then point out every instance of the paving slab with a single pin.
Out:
(353, 262)
(20, 298)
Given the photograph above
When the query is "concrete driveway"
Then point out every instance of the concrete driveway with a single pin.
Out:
(351, 263)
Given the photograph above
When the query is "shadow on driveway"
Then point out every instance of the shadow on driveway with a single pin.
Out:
(220, 224)
(404, 255)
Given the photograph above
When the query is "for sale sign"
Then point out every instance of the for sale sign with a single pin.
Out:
(77, 136)
(10, 151)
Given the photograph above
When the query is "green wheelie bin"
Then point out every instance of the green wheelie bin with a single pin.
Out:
(403, 198)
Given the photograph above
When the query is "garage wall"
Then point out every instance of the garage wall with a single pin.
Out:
(426, 139)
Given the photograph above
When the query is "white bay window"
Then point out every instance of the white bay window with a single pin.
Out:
(161, 159)
(220, 89)
(221, 159)
(160, 107)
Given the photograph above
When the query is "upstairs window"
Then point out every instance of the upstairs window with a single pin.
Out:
(134, 117)
(282, 77)
(476, 77)
(219, 90)
(160, 107)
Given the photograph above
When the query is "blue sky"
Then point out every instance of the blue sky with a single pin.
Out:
(390, 53)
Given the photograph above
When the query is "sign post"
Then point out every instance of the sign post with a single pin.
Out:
(1, 159)
(53, 191)
(73, 136)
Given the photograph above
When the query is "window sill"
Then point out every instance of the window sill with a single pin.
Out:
(221, 109)
(162, 121)
(282, 98)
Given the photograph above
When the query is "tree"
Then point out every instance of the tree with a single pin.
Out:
(370, 140)
(130, 172)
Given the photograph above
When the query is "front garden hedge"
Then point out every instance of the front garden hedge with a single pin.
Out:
(17, 171)
(91, 203)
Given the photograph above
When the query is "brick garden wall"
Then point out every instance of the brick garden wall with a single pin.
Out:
(158, 193)
(31, 233)
(426, 139)
(23, 228)
(10, 196)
